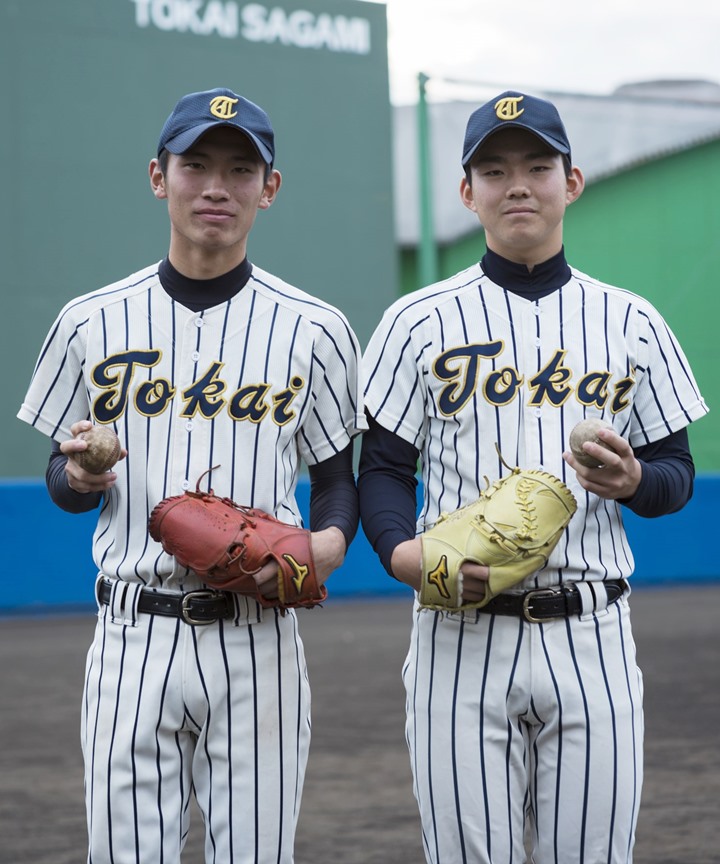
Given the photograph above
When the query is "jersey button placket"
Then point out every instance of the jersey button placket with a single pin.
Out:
(188, 371)
(198, 427)
(531, 361)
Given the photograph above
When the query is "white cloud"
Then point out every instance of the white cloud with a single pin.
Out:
(563, 45)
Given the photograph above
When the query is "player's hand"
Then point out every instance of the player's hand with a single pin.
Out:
(79, 479)
(266, 580)
(406, 564)
(474, 581)
(328, 549)
(620, 474)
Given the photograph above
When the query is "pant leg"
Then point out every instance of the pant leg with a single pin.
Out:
(253, 716)
(587, 748)
(466, 680)
(136, 746)
(498, 709)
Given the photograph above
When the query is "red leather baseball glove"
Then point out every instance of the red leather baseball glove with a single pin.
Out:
(225, 544)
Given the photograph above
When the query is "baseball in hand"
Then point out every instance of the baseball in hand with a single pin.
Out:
(586, 430)
(102, 452)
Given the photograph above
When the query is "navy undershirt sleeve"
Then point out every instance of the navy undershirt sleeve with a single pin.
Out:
(387, 484)
(334, 496)
(668, 475)
(59, 489)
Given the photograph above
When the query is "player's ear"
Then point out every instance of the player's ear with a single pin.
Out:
(272, 186)
(466, 195)
(157, 179)
(575, 185)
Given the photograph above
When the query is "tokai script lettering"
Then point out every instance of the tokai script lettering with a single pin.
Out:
(256, 23)
(122, 382)
(462, 369)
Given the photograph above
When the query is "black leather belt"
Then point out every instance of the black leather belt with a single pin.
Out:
(195, 607)
(543, 604)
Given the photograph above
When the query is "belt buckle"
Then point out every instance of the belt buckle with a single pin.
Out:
(527, 601)
(201, 594)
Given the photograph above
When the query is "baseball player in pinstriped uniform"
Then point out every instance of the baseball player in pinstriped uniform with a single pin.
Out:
(524, 717)
(203, 361)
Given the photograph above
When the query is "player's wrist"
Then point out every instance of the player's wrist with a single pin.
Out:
(406, 562)
(329, 548)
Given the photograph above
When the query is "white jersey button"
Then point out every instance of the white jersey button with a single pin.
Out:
(199, 322)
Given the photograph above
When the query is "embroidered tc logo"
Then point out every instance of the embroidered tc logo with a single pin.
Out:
(508, 108)
(223, 107)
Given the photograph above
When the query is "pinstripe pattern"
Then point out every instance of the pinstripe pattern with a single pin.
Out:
(250, 387)
(486, 696)
(205, 692)
(457, 366)
(278, 363)
(507, 719)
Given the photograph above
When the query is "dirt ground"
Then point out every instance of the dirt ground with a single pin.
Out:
(358, 806)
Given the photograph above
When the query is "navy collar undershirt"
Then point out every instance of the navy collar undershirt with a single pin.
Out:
(201, 294)
(533, 284)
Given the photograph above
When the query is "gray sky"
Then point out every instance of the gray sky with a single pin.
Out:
(567, 45)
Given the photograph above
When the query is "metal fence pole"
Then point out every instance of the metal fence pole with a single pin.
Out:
(427, 251)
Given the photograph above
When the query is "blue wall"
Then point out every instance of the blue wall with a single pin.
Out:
(48, 566)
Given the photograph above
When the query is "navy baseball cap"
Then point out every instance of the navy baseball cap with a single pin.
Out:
(195, 113)
(520, 111)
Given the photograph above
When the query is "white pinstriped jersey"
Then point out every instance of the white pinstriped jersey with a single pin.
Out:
(461, 365)
(252, 385)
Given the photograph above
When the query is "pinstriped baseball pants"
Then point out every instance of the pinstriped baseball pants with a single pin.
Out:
(221, 710)
(525, 739)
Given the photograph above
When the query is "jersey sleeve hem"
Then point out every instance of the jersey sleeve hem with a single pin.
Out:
(37, 421)
(393, 424)
(332, 446)
(675, 424)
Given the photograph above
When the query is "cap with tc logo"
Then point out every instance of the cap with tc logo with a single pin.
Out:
(195, 113)
(518, 110)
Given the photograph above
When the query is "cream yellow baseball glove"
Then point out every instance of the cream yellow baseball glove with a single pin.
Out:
(511, 528)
